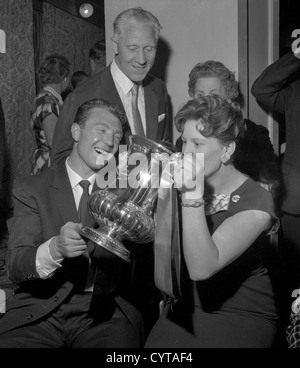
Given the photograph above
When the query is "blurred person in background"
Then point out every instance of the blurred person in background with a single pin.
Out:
(97, 55)
(78, 78)
(54, 74)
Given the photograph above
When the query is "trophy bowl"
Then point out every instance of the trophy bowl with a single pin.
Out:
(125, 209)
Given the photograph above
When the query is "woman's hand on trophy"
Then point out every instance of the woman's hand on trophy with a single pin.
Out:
(189, 175)
(69, 243)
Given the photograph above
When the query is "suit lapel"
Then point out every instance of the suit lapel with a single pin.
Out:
(63, 195)
(114, 97)
(151, 107)
(112, 94)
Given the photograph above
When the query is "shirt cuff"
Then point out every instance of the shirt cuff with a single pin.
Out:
(45, 264)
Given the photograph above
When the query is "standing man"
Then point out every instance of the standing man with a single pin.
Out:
(136, 33)
(68, 294)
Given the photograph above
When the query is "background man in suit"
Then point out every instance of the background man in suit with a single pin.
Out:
(136, 33)
(278, 88)
(97, 55)
(58, 304)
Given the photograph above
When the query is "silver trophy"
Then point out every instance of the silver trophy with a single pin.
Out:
(125, 209)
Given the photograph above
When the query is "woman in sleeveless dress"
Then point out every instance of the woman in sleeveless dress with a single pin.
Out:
(227, 297)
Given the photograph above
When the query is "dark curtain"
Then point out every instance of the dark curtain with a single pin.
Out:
(37, 41)
(17, 82)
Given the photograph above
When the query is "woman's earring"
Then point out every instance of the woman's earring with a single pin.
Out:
(225, 158)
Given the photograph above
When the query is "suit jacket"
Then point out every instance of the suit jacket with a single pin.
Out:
(159, 125)
(278, 89)
(42, 205)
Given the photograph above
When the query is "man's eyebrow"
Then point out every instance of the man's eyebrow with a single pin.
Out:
(107, 125)
(103, 123)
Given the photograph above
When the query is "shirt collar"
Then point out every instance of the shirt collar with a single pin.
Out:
(123, 81)
(75, 178)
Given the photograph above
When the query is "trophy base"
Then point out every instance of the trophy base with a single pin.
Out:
(112, 245)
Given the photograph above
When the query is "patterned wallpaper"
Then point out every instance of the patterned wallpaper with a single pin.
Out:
(69, 35)
(17, 86)
(62, 33)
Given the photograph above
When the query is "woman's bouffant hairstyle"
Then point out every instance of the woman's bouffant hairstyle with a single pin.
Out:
(214, 69)
(54, 69)
(216, 117)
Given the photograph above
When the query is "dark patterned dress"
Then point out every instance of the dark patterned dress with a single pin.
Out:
(47, 102)
(235, 308)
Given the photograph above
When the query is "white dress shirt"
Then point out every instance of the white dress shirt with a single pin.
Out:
(124, 85)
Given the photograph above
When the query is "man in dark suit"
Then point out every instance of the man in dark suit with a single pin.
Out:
(136, 33)
(58, 303)
(278, 88)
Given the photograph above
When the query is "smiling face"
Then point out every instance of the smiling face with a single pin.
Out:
(195, 142)
(209, 86)
(97, 139)
(135, 49)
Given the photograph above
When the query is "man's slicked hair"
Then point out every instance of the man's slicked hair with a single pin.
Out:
(84, 110)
